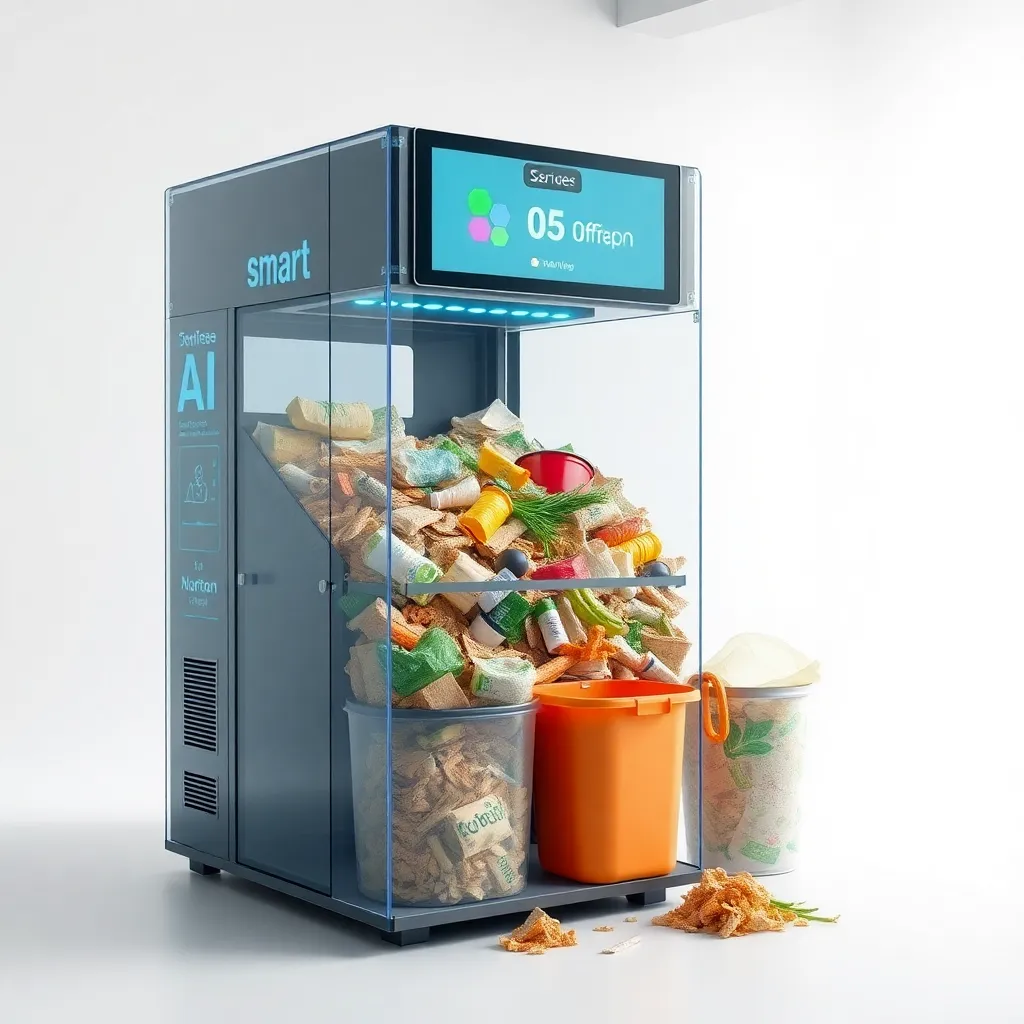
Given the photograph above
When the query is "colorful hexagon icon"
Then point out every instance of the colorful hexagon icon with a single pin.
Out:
(480, 229)
(499, 215)
(499, 236)
(479, 202)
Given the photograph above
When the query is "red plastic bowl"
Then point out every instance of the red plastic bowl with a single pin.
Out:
(574, 568)
(557, 471)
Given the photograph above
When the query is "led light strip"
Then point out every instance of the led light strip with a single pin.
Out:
(454, 307)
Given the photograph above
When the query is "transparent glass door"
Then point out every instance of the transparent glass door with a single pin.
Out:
(283, 696)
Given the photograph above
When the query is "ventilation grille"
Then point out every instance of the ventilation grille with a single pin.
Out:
(200, 793)
(200, 704)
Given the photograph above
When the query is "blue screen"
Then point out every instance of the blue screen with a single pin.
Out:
(500, 216)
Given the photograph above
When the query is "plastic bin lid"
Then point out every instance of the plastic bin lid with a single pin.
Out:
(642, 695)
(441, 714)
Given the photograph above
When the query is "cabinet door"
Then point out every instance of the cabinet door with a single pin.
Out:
(283, 738)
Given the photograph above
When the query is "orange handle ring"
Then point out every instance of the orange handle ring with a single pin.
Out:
(709, 680)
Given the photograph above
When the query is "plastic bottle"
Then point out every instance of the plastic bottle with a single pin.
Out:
(550, 623)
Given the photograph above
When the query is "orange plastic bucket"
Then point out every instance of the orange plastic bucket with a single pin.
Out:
(607, 779)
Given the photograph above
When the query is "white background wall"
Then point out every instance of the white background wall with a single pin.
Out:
(862, 346)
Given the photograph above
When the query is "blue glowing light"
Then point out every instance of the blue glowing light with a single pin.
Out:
(429, 304)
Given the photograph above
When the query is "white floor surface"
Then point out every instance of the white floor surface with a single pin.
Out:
(100, 923)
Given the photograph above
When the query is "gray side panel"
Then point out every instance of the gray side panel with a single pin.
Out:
(198, 369)
(359, 191)
(283, 732)
(215, 229)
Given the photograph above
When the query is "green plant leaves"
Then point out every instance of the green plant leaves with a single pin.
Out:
(732, 743)
(757, 730)
(750, 742)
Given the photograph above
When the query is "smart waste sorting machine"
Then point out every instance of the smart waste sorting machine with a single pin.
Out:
(335, 320)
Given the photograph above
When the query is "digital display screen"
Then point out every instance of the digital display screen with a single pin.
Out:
(545, 221)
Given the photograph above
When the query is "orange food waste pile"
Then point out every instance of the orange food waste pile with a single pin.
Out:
(538, 933)
(728, 905)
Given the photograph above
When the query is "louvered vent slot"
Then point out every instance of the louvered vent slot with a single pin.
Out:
(200, 704)
(200, 792)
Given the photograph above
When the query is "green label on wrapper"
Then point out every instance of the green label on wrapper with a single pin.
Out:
(759, 852)
(491, 814)
(506, 870)
(428, 573)
(508, 617)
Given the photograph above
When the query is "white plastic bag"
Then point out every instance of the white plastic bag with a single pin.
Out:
(753, 659)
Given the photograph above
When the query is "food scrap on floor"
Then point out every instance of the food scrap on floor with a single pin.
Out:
(630, 920)
(732, 905)
(604, 928)
(539, 932)
(623, 945)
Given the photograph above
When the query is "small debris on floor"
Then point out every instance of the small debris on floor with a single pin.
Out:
(604, 928)
(630, 920)
(625, 944)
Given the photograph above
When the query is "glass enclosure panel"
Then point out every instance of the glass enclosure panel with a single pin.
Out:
(634, 415)
(312, 404)
(313, 448)
(363, 415)
(414, 507)
(283, 699)
(620, 396)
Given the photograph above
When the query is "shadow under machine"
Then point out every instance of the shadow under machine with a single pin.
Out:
(399, 367)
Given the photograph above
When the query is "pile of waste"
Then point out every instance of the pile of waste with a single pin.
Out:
(465, 510)
(471, 506)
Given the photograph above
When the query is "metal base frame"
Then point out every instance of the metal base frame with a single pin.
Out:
(411, 925)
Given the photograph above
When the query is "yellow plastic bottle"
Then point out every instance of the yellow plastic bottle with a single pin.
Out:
(494, 464)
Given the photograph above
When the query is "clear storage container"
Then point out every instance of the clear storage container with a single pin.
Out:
(753, 782)
(460, 802)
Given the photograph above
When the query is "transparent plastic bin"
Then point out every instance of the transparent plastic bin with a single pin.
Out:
(752, 783)
(462, 785)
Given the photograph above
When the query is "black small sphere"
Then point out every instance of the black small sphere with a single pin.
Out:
(655, 569)
(515, 561)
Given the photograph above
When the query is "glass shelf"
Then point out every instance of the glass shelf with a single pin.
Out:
(511, 312)
(492, 586)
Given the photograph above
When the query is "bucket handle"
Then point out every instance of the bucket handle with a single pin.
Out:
(653, 705)
(709, 681)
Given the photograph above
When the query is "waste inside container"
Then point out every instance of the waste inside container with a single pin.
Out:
(752, 783)
(461, 802)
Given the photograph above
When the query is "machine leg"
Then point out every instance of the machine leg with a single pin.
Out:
(406, 938)
(648, 898)
(202, 869)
